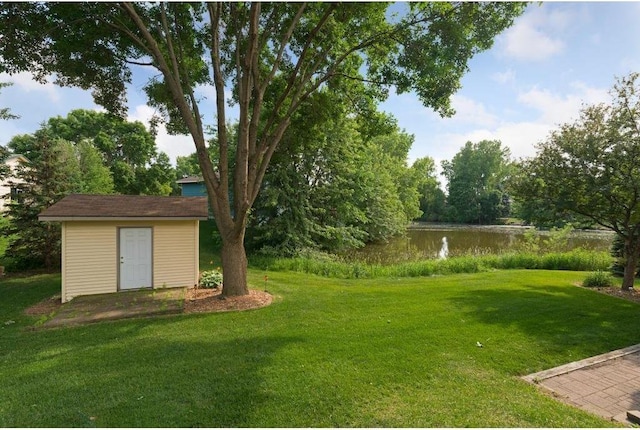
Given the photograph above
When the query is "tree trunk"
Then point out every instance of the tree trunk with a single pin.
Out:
(234, 267)
(631, 253)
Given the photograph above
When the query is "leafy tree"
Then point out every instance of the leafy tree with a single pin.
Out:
(432, 198)
(477, 177)
(95, 177)
(127, 148)
(335, 185)
(592, 168)
(45, 181)
(533, 208)
(273, 55)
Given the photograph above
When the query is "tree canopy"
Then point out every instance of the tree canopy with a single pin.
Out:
(273, 57)
(56, 168)
(125, 147)
(591, 167)
(477, 177)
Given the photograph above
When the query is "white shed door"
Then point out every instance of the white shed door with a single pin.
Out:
(135, 258)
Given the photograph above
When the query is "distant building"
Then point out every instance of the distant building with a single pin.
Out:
(193, 186)
(10, 185)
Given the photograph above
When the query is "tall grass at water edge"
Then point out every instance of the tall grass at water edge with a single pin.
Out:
(323, 265)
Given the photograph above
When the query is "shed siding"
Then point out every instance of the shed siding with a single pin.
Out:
(90, 255)
(90, 260)
(173, 254)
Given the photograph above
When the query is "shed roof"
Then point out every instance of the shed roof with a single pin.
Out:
(100, 207)
(190, 180)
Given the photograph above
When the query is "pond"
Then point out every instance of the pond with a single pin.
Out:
(424, 241)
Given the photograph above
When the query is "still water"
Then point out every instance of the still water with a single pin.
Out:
(441, 241)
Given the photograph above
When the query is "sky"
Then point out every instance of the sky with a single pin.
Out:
(557, 57)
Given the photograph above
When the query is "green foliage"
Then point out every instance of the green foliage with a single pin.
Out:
(126, 148)
(579, 260)
(47, 178)
(477, 179)
(330, 189)
(210, 279)
(592, 168)
(554, 240)
(432, 198)
(599, 279)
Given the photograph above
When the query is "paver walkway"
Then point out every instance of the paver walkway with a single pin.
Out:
(607, 385)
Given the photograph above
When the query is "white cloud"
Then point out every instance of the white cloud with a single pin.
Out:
(507, 77)
(521, 137)
(472, 112)
(26, 83)
(534, 36)
(170, 144)
(557, 108)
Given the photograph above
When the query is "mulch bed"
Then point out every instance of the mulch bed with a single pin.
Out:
(211, 300)
(632, 295)
(196, 300)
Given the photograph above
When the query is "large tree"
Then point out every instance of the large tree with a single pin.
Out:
(591, 167)
(477, 178)
(334, 185)
(57, 168)
(272, 56)
(127, 148)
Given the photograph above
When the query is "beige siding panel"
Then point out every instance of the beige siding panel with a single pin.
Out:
(90, 259)
(174, 251)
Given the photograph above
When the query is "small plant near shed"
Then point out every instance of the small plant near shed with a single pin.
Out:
(210, 279)
(599, 279)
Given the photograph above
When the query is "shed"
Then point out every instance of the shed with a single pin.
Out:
(114, 243)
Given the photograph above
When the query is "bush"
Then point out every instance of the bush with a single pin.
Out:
(599, 279)
(210, 279)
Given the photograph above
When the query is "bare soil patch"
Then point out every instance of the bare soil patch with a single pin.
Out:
(211, 300)
(125, 305)
(44, 307)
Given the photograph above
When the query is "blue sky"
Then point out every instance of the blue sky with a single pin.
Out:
(555, 58)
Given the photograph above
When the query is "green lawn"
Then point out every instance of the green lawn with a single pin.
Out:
(328, 352)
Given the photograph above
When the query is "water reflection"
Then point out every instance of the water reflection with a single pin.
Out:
(444, 251)
(451, 241)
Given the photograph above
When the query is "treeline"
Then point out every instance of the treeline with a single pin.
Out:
(86, 152)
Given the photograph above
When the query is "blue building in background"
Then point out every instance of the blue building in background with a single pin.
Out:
(193, 186)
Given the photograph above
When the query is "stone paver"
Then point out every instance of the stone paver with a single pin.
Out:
(607, 385)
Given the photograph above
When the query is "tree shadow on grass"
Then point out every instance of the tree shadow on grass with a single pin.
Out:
(136, 379)
(558, 317)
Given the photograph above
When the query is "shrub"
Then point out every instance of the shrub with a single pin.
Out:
(210, 279)
(599, 279)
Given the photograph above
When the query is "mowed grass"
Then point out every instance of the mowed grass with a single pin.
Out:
(327, 353)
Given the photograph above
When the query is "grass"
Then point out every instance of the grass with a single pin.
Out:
(573, 260)
(327, 353)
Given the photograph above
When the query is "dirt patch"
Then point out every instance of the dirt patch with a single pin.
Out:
(87, 309)
(210, 300)
(44, 307)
